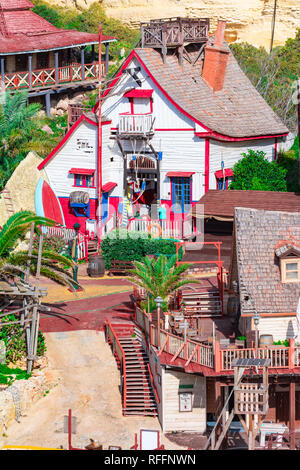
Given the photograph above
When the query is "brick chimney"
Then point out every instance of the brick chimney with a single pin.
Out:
(215, 61)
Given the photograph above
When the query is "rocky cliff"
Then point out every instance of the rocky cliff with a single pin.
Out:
(248, 20)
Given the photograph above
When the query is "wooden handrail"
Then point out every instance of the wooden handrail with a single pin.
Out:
(108, 324)
(152, 382)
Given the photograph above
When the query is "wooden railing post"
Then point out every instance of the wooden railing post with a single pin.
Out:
(291, 353)
(218, 360)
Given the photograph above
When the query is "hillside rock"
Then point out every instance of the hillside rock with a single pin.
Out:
(247, 20)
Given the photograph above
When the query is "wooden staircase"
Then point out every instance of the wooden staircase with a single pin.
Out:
(92, 247)
(201, 302)
(138, 395)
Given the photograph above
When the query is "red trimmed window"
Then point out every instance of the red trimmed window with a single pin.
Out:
(223, 178)
(84, 181)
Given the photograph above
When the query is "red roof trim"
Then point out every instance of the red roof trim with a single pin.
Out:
(137, 93)
(221, 173)
(108, 186)
(216, 136)
(172, 174)
(198, 134)
(65, 139)
(81, 171)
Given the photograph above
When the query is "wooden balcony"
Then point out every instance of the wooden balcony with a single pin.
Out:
(174, 32)
(52, 77)
(219, 360)
(135, 125)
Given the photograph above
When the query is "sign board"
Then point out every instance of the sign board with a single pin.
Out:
(149, 439)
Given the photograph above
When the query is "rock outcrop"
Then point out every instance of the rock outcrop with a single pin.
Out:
(247, 20)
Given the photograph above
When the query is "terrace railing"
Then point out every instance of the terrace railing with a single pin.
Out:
(135, 124)
(281, 357)
(190, 351)
(112, 339)
(49, 77)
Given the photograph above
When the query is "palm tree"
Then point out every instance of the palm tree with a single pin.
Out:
(160, 277)
(15, 263)
(16, 126)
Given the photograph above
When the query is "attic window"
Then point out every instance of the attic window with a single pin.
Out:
(289, 256)
(290, 270)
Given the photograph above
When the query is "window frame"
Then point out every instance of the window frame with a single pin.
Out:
(283, 264)
(84, 181)
(185, 181)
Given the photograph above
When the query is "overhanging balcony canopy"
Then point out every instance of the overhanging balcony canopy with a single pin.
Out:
(173, 174)
(135, 93)
(108, 187)
(224, 173)
(81, 171)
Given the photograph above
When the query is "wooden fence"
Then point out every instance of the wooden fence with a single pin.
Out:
(51, 76)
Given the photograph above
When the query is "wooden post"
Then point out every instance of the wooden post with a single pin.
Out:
(106, 58)
(82, 62)
(217, 356)
(48, 104)
(93, 53)
(30, 70)
(56, 68)
(99, 149)
(292, 353)
(292, 417)
(3, 73)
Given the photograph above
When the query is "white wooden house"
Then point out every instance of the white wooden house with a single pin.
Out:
(176, 121)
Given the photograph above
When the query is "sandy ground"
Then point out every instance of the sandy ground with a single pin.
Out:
(88, 384)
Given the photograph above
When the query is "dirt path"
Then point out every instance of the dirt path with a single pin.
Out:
(89, 385)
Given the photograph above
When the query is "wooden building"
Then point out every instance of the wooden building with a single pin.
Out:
(177, 113)
(45, 60)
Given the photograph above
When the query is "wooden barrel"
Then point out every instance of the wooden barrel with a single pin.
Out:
(96, 266)
(79, 197)
(265, 340)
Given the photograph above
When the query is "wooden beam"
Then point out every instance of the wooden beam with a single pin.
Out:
(178, 352)
(292, 417)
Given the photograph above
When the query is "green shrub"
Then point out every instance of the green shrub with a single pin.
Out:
(50, 243)
(8, 375)
(14, 338)
(135, 249)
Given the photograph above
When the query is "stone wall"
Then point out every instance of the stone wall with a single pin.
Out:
(247, 20)
(21, 186)
(17, 399)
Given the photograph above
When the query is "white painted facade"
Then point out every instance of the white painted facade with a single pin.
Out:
(174, 136)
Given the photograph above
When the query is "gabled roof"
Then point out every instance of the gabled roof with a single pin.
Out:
(89, 117)
(24, 31)
(237, 111)
(220, 203)
(258, 234)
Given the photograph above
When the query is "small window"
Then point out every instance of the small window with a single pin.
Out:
(78, 180)
(84, 181)
(290, 270)
(223, 183)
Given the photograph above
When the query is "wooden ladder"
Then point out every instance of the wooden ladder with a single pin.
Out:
(8, 201)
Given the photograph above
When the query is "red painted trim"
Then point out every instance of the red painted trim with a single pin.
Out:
(216, 136)
(138, 93)
(206, 170)
(275, 150)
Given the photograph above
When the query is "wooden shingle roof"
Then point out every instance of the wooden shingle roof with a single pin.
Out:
(24, 31)
(222, 203)
(237, 111)
(258, 235)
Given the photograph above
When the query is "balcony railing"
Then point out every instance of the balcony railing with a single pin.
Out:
(220, 360)
(136, 124)
(51, 76)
